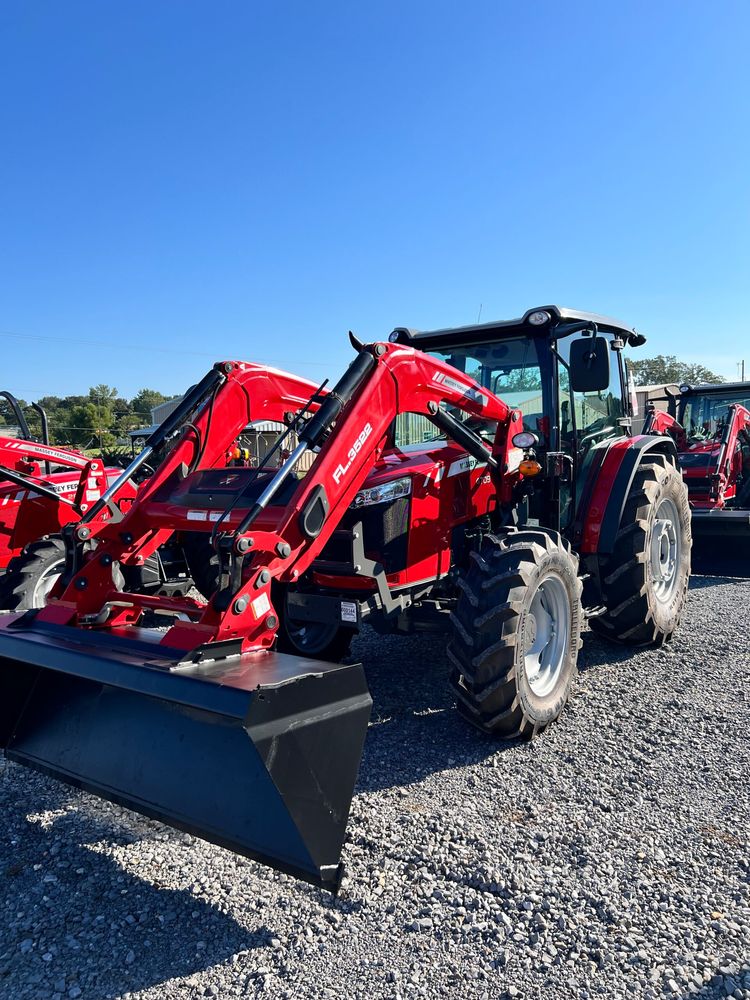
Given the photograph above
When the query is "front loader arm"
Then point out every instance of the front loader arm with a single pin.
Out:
(727, 471)
(351, 427)
(348, 430)
(199, 434)
(661, 422)
(25, 457)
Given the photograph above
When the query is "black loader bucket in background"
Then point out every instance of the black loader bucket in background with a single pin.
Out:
(259, 754)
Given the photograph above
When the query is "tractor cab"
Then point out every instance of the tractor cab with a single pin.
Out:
(714, 454)
(563, 371)
(703, 410)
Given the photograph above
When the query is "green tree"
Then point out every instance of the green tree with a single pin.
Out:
(145, 400)
(665, 369)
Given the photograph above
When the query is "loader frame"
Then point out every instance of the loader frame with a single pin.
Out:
(258, 548)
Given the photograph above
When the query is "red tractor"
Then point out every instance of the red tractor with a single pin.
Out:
(710, 425)
(482, 480)
(42, 488)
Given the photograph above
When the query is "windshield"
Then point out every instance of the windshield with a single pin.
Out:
(705, 417)
(509, 368)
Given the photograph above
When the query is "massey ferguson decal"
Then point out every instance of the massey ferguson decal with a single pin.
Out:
(451, 383)
(16, 497)
(464, 465)
(341, 470)
(63, 457)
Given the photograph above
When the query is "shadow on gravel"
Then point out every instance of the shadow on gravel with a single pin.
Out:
(71, 917)
(416, 730)
(727, 982)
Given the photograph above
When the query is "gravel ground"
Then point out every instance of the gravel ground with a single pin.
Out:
(608, 858)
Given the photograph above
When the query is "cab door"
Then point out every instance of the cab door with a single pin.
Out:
(587, 422)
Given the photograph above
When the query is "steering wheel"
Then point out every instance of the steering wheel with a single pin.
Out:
(600, 427)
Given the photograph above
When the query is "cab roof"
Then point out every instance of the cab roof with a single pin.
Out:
(720, 388)
(558, 317)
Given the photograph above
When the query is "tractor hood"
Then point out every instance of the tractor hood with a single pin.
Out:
(700, 457)
(414, 459)
(422, 460)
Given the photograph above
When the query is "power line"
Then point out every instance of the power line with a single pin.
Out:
(147, 348)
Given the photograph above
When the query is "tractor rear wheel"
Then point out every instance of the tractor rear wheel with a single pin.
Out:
(31, 575)
(516, 633)
(645, 579)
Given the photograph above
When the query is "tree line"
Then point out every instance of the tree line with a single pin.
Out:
(98, 420)
(103, 418)
(665, 369)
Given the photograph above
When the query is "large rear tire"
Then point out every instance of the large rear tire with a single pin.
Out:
(645, 579)
(516, 633)
(31, 575)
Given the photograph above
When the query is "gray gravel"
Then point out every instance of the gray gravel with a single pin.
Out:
(608, 858)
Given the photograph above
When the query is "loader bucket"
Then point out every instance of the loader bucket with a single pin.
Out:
(258, 753)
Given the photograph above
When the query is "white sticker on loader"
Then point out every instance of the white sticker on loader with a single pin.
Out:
(349, 612)
(261, 606)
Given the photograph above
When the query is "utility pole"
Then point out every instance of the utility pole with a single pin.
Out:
(741, 366)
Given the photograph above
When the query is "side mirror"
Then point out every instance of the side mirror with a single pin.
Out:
(589, 364)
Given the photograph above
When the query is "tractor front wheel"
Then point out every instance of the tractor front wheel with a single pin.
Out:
(318, 640)
(645, 579)
(516, 633)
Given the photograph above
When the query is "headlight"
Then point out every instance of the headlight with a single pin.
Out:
(382, 494)
(539, 318)
(525, 439)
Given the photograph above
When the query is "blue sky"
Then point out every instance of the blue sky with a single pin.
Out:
(182, 182)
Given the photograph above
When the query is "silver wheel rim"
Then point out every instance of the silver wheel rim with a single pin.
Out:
(46, 582)
(664, 550)
(546, 634)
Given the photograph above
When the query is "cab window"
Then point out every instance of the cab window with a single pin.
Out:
(589, 417)
(508, 368)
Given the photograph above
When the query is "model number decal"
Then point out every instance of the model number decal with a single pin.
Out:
(341, 470)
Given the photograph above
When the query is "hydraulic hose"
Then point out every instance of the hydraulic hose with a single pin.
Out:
(315, 429)
(463, 436)
(320, 423)
(163, 432)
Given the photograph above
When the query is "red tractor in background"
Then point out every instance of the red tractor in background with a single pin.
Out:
(710, 425)
(520, 507)
(44, 487)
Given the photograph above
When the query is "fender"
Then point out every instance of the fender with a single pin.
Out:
(615, 475)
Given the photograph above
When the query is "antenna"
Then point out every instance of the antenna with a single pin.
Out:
(479, 314)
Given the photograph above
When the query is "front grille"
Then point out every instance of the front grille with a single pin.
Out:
(385, 528)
